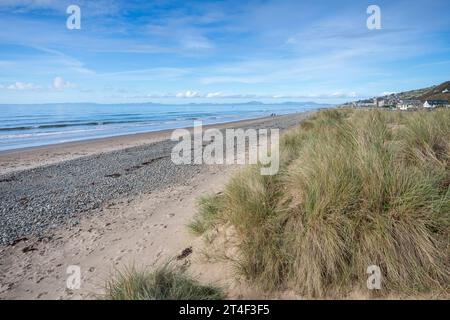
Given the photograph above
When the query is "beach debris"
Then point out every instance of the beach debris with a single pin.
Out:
(28, 249)
(114, 175)
(185, 253)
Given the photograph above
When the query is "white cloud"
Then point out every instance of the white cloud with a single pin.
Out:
(59, 84)
(188, 94)
(221, 95)
(386, 93)
(340, 94)
(19, 85)
(214, 95)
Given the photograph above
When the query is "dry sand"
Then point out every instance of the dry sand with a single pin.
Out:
(144, 232)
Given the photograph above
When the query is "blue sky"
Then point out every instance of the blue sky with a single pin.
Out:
(219, 51)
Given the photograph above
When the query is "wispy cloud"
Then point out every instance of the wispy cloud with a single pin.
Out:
(19, 85)
(188, 94)
(90, 8)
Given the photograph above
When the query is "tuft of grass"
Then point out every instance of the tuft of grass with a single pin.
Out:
(164, 283)
(355, 188)
(209, 207)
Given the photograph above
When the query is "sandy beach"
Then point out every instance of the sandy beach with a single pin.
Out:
(105, 205)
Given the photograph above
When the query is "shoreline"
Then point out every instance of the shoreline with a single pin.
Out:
(218, 125)
(31, 157)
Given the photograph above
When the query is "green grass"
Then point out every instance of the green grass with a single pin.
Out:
(209, 207)
(355, 188)
(162, 284)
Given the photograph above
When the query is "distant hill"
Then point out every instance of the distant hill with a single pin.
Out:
(440, 92)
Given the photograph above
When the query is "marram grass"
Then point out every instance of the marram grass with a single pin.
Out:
(164, 283)
(355, 188)
(209, 207)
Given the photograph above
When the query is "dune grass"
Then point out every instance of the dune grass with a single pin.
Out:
(209, 207)
(355, 188)
(164, 283)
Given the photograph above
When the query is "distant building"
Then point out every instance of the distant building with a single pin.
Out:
(429, 104)
(381, 102)
(365, 104)
(409, 104)
(392, 101)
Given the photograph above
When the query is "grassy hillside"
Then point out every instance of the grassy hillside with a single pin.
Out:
(356, 188)
(439, 92)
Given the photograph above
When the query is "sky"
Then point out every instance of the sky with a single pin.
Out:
(130, 51)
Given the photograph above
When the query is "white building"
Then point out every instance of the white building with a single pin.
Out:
(430, 104)
(381, 103)
(409, 104)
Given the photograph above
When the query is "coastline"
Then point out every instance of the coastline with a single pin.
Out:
(31, 157)
(105, 212)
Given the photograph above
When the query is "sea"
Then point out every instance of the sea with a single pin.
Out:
(23, 126)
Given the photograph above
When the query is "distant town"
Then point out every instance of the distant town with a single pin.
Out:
(427, 98)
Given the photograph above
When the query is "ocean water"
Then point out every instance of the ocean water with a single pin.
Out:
(24, 126)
